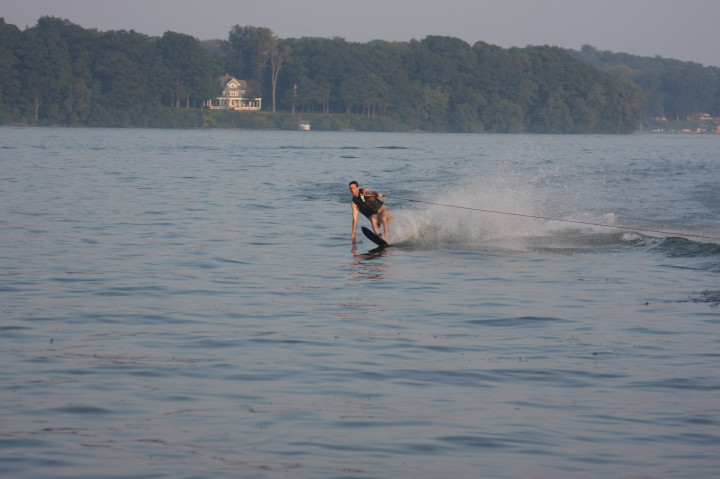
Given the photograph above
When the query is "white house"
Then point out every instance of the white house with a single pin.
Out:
(233, 96)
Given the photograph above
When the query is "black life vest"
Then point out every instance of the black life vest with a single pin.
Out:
(367, 205)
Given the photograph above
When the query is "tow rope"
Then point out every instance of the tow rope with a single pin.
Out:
(604, 225)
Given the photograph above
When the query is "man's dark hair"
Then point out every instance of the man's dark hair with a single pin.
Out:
(353, 182)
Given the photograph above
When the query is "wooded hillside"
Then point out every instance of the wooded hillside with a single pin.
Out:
(60, 73)
(675, 90)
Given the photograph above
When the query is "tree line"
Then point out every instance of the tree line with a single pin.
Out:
(60, 73)
(675, 90)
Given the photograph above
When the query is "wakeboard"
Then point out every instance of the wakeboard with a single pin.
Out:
(374, 238)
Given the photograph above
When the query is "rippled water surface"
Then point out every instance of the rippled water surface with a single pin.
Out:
(188, 304)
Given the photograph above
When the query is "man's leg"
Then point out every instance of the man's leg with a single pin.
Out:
(386, 227)
(374, 223)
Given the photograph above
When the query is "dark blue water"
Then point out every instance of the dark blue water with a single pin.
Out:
(188, 304)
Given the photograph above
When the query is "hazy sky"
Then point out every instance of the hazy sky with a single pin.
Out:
(684, 30)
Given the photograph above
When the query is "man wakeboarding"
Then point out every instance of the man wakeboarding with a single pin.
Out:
(368, 203)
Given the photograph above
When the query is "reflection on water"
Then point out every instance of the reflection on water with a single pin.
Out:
(365, 266)
(371, 254)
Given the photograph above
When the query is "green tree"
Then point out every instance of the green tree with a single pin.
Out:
(126, 76)
(280, 53)
(672, 88)
(351, 93)
(623, 109)
(432, 109)
(250, 49)
(554, 116)
(503, 116)
(191, 72)
(690, 90)
(317, 80)
(10, 86)
(46, 70)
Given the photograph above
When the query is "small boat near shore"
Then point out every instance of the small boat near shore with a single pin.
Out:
(304, 126)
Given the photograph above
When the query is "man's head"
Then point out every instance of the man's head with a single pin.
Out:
(354, 188)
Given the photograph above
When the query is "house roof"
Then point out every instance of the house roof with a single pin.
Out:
(226, 78)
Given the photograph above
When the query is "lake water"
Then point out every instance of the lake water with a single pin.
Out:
(188, 304)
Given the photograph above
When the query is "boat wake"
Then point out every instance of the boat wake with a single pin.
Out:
(516, 222)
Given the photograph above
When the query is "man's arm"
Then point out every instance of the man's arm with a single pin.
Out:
(373, 194)
(354, 221)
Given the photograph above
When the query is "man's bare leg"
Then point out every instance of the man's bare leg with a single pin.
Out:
(386, 228)
(375, 225)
